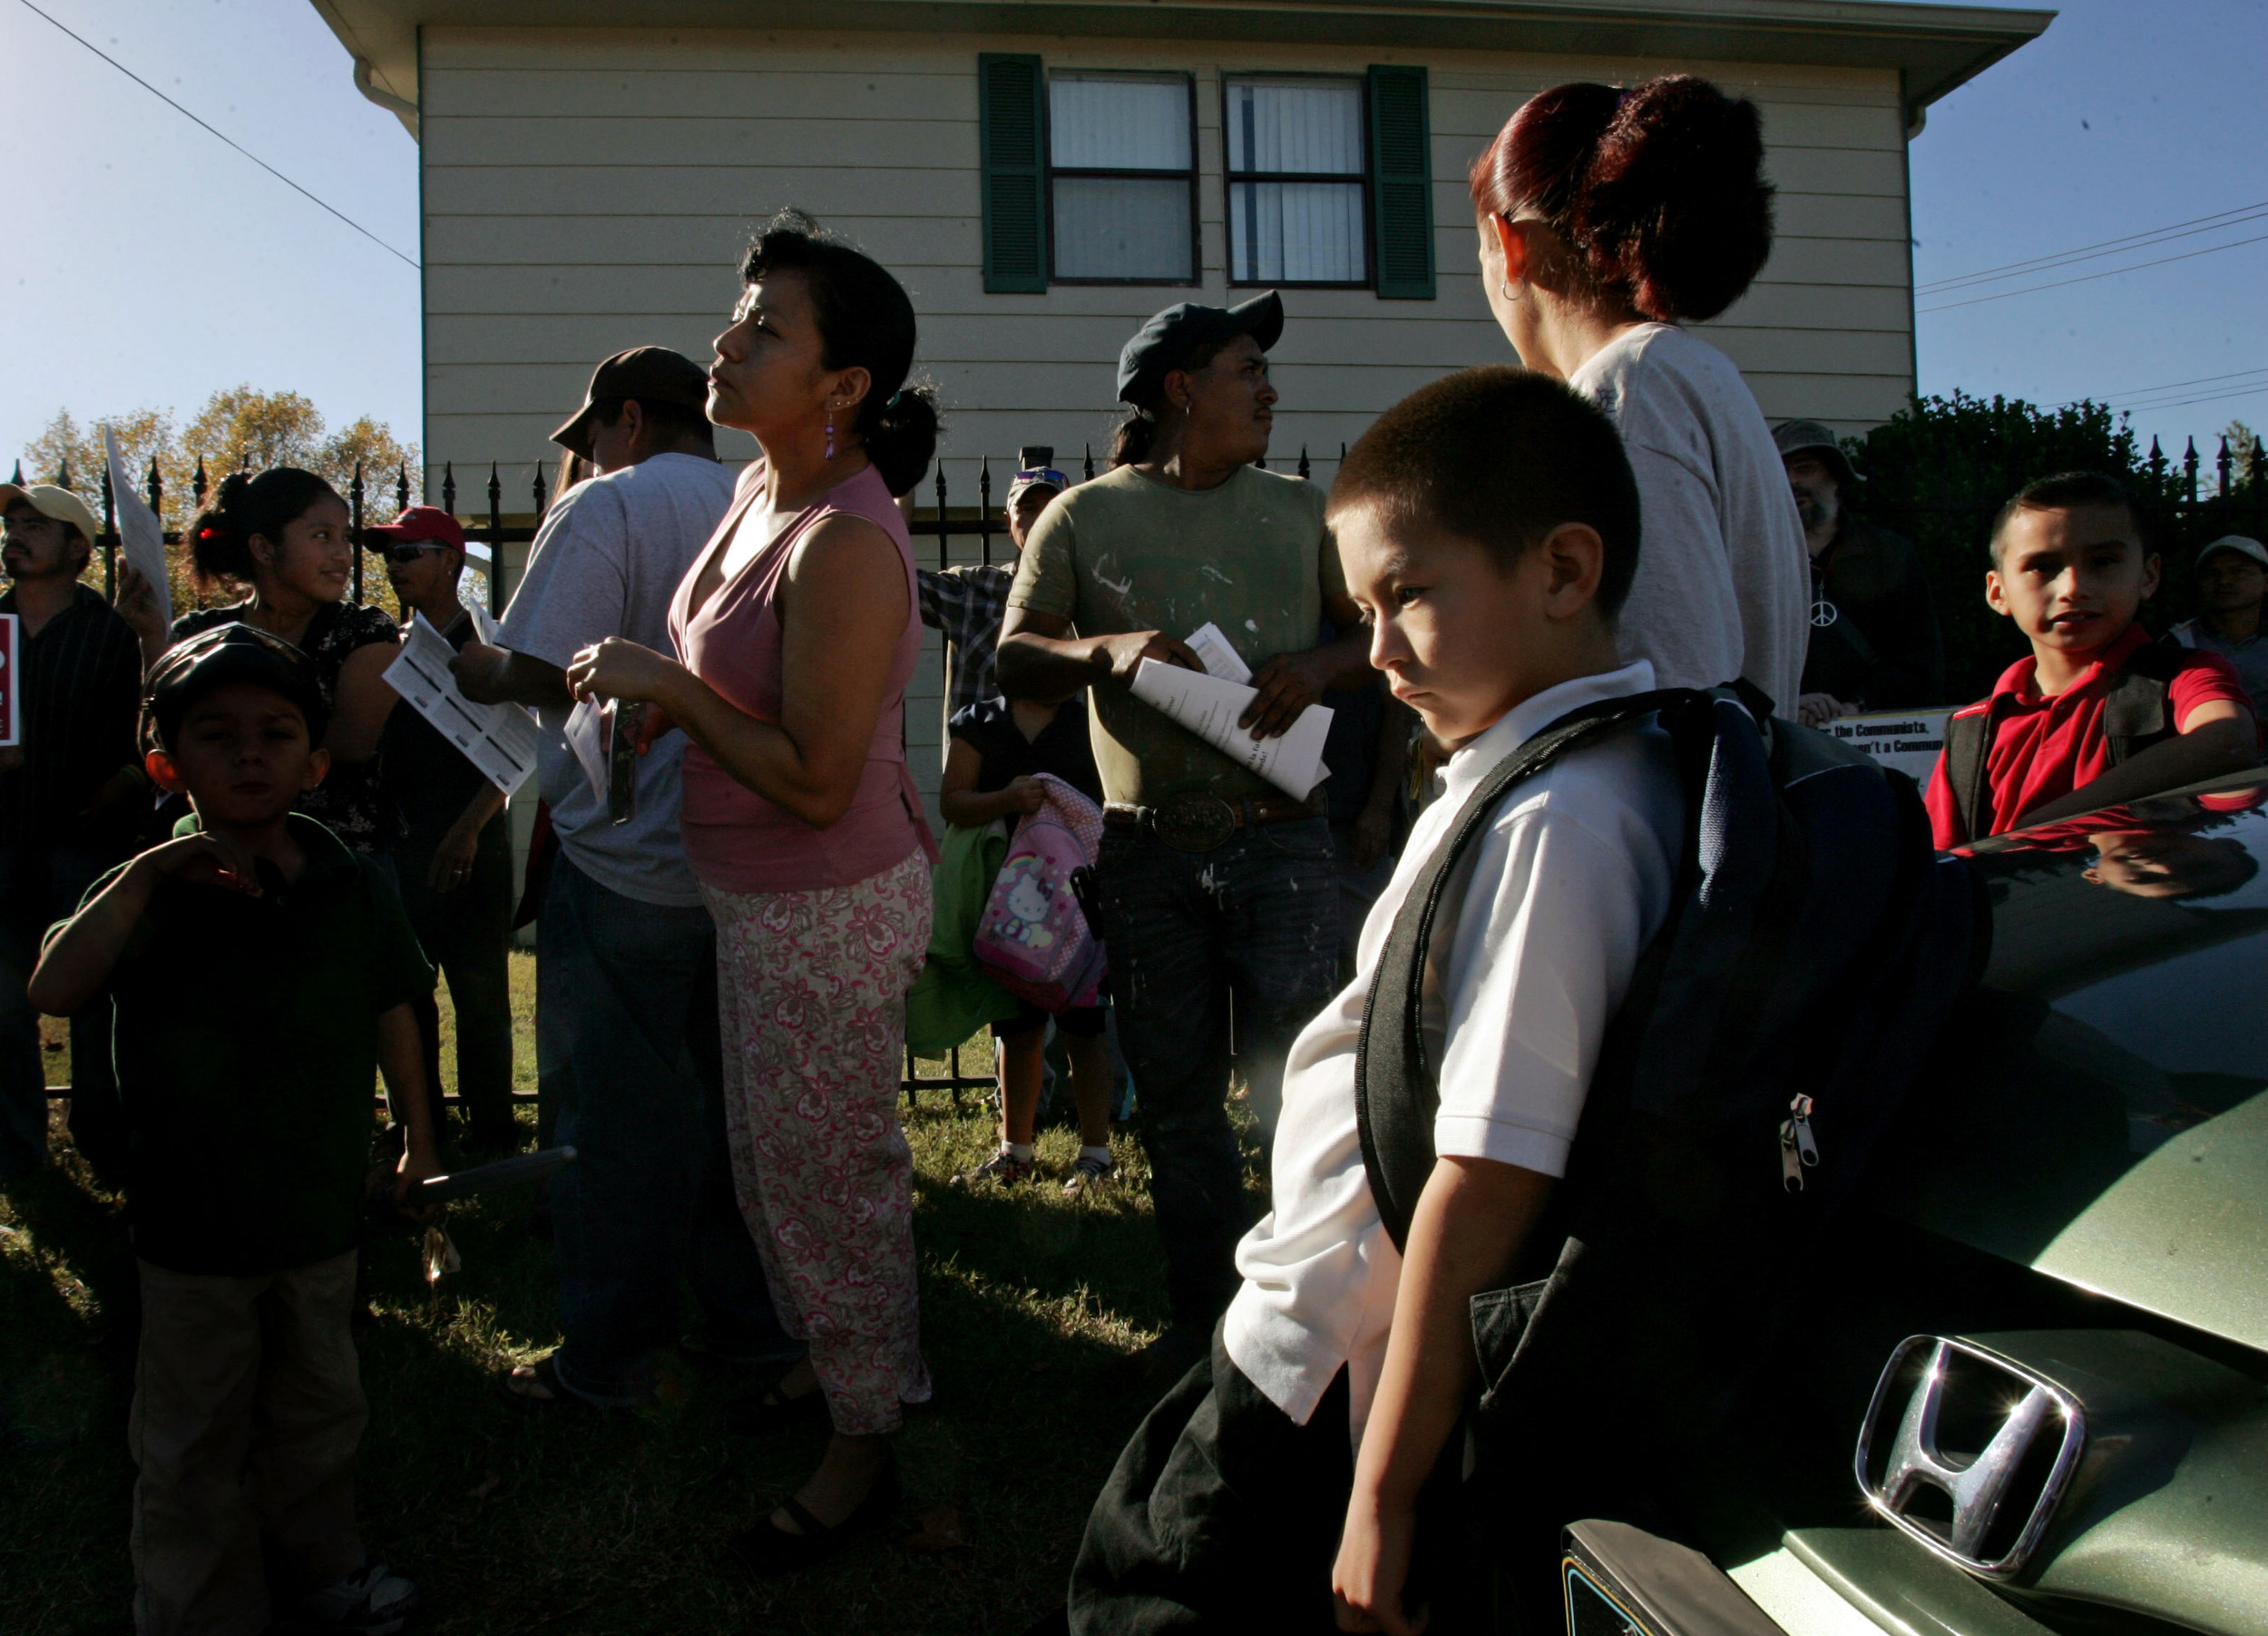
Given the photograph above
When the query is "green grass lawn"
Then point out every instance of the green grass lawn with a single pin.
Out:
(526, 1521)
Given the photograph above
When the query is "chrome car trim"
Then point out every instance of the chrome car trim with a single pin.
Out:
(2031, 1407)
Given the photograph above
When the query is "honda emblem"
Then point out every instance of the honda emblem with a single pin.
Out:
(1969, 1452)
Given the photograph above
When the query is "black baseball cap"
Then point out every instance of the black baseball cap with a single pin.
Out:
(234, 652)
(1170, 336)
(650, 375)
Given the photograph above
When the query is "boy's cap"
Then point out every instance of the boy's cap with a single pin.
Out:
(1172, 335)
(1041, 477)
(53, 500)
(1809, 438)
(418, 524)
(2244, 546)
(650, 375)
(234, 652)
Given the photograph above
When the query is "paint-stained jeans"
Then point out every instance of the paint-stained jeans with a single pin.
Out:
(1259, 916)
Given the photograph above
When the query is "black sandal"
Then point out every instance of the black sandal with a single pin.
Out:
(764, 1549)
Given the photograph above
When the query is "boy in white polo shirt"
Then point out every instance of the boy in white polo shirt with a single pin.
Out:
(1489, 528)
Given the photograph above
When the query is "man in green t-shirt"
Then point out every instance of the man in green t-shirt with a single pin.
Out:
(1212, 881)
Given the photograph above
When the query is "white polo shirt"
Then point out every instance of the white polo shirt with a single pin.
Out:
(1538, 936)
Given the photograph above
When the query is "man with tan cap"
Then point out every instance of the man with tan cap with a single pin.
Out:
(1874, 638)
(626, 1041)
(2232, 583)
(66, 806)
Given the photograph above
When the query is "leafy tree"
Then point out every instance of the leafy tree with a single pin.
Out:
(238, 429)
(1941, 469)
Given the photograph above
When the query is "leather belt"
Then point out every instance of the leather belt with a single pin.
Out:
(1194, 822)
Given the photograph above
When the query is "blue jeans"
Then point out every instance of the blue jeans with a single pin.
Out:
(1258, 917)
(41, 884)
(627, 1050)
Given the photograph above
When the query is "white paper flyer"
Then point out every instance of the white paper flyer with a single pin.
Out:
(1209, 706)
(498, 739)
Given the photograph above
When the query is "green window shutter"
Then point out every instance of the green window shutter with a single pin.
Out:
(1012, 134)
(1402, 183)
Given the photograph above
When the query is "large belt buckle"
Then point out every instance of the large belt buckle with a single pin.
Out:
(1194, 821)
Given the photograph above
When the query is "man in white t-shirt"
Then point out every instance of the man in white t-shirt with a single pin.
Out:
(1489, 528)
(626, 961)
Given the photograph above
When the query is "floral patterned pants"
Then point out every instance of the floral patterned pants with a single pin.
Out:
(811, 994)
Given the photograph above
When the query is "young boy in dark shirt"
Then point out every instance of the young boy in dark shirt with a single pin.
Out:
(262, 972)
(2072, 567)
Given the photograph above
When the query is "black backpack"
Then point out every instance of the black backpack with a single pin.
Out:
(1814, 945)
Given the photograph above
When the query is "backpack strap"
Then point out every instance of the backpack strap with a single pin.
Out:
(1968, 742)
(2137, 712)
(1396, 1094)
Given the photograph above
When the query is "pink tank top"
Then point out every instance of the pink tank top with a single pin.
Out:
(735, 839)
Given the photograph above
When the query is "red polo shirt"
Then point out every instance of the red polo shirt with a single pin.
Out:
(2046, 748)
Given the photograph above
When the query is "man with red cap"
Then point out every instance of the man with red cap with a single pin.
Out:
(452, 851)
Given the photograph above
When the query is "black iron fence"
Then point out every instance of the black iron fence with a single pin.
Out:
(941, 521)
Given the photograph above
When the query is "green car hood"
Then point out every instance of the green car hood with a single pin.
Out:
(2101, 1114)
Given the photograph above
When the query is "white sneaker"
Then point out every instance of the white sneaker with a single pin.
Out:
(374, 1602)
(1088, 1173)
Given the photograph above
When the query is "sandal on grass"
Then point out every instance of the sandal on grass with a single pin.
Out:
(540, 1389)
(765, 1549)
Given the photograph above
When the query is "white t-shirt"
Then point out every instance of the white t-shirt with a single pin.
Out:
(1540, 932)
(606, 562)
(1723, 581)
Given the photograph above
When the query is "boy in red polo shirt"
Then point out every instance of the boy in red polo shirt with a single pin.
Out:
(2099, 713)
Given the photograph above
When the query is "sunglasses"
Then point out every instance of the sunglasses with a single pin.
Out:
(1041, 474)
(407, 552)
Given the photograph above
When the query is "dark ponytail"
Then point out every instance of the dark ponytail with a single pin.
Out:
(865, 321)
(1131, 438)
(220, 536)
(1658, 189)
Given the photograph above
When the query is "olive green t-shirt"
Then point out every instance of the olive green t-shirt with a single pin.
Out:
(1127, 553)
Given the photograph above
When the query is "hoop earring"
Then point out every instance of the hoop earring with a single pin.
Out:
(1509, 293)
(830, 437)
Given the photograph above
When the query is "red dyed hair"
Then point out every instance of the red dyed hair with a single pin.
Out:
(1659, 190)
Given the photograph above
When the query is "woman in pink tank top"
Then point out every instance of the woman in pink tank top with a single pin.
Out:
(795, 631)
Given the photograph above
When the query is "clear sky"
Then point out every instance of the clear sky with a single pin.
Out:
(161, 265)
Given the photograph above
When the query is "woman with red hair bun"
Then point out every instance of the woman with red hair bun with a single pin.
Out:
(1607, 219)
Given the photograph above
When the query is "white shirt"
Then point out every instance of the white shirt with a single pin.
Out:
(606, 562)
(1724, 580)
(1540, 932)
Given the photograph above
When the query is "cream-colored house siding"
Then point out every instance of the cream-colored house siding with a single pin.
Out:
(587, 191)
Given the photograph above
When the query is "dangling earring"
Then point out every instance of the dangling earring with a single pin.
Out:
(830, 436)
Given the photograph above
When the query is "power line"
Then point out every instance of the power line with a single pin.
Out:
(240, 147)
(2200, 381)
(2088, 277)
(2186, 402)
(2072, 258)
(2037, 262)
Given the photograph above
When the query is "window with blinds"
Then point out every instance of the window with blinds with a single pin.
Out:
(1121, 178)
(1297, 174)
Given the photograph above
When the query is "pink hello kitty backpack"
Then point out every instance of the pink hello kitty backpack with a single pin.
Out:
(1034, 940)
